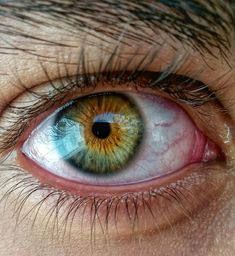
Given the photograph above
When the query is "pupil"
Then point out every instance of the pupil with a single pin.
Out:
(101, 129)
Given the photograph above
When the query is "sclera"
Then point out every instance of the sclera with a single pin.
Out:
(171, 142)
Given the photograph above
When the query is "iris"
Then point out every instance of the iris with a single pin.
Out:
(100, 133)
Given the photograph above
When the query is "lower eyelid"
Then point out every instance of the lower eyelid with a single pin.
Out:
(155, 208)
(81, 189)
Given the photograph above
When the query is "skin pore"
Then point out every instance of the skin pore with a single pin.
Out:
(44, 43)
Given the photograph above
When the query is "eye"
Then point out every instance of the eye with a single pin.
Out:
(117, 150)
(115, 139)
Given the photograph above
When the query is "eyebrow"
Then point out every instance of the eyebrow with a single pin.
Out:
(202, 26)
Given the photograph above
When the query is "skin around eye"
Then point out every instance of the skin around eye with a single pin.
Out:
(116, 139)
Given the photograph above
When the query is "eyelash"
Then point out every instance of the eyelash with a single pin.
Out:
(181, 88)
(26, 186)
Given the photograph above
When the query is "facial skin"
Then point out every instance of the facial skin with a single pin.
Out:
(44, 42)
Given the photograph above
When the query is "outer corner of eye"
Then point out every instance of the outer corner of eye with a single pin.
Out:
(115, 140)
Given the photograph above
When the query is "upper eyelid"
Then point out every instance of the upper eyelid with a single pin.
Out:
(44, 101)
(23, 117)
(94, 60)
(52, 46)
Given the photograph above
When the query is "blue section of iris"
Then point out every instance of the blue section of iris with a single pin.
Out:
(68, 137)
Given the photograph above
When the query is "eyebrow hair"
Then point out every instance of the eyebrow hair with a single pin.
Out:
(199, 24)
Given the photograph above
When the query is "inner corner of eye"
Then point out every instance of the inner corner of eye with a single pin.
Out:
(115, 138)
